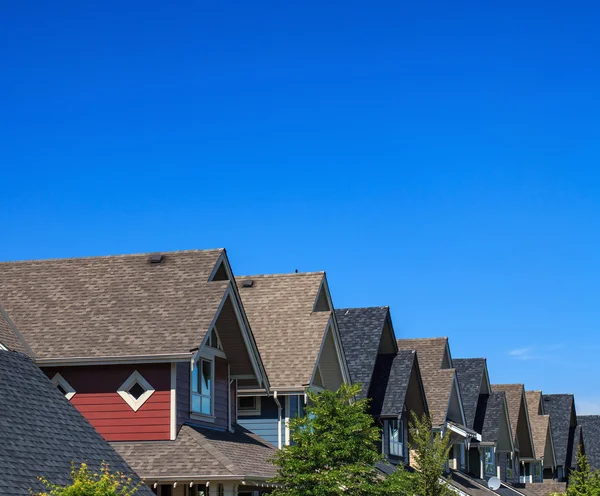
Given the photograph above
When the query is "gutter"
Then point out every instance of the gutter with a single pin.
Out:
(114, 360)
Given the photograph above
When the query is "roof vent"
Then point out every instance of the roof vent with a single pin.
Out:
(156, 258)
(248, 283)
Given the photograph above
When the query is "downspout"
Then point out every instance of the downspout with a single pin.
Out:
(230, 403)
(278, 419)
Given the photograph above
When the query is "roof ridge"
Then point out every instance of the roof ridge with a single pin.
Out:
(382, 307)
(283, 274)
(214, 451)
(422, 339)
(119, 255)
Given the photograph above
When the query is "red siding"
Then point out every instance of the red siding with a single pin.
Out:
(97, 399)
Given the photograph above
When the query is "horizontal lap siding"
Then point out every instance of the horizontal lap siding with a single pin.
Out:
(98, 401)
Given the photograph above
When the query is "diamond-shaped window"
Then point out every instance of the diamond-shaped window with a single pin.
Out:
(135, 391)
(63, 386)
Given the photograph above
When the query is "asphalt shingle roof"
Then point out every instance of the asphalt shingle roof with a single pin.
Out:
(590, 425)
(578, 444)
(390, 383)
(112, 306)
(560, 407)
(360, 331)
(470, 372)
(539, 423)
(287, 331)
(437, 382)
(41, 433)
(514, 398)
(491, 410)
(200, 453)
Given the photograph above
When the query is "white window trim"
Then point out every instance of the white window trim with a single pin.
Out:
(59, 380)
(399, 445)
(255, 411)
(198, 415)
(123, 391)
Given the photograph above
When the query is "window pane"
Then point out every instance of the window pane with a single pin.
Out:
(206, 406)
(195, 379)
(206, 377)
(247, 402)
(394, 430)
(196, 403)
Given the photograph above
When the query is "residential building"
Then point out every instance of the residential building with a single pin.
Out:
(563, 421)
(541, 429)
(524, 458)
(297, 335)
(442, 393)
(391, 378)
(150, 349)
(486, 412)
(41, 433)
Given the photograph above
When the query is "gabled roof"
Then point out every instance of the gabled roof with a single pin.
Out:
(390, 385)
(361, 331)
(289, 332)
(113, 306)
(578, 444)
(516, 402)
(439, 382)
(561, 408)
(489, 416)
(590, 426)
(470, 373)
(540, 424)
(41, 433)
(201, 454)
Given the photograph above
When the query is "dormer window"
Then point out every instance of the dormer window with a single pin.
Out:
(63, 386)
(214, 341)
(202, 387)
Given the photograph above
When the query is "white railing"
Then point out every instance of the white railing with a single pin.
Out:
(396, 448)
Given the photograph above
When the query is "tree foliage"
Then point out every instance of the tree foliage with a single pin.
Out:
(334, 450)
(88, 483)
(584, 481)
(430, 451)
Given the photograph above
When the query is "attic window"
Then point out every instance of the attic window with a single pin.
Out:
(135, 391)
(214, 341)
(63, 386)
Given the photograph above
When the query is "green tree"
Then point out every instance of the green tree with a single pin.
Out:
(584, 481)
(430, 451)
(87, 483)
(334, 450)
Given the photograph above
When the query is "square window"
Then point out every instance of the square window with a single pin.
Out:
(249, 405)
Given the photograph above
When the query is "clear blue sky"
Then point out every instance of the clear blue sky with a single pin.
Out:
(441, 159)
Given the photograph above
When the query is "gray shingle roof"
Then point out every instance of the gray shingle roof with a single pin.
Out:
(560, 408)
(41, 433)
(390, 383)
(201, 454)
(590, 425)
(470, 374)
(287, 331)
(112, 306)
(491, 407)
(578, 444)
(360, 331)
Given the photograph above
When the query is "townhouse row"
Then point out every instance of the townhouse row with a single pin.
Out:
(192, 376)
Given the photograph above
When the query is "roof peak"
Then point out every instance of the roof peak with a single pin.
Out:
(121, 255)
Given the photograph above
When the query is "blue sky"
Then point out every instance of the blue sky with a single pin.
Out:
(439, 159)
